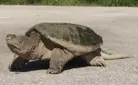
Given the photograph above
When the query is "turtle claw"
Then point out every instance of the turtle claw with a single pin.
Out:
(13, 68)
(9, 68)
(98, 61)
(51, 71)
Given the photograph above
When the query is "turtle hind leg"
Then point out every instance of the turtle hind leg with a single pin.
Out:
(98, 61)
(17, 63)
(58, 59)
(95, 59)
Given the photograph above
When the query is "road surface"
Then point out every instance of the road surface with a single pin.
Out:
(117, 25)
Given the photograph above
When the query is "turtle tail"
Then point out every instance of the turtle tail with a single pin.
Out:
(108, 56)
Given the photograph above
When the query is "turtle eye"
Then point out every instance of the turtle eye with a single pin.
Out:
(10, 36)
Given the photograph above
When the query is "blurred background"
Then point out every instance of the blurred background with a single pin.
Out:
(72, 2)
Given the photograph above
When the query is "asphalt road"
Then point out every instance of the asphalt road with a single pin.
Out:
(117, 25)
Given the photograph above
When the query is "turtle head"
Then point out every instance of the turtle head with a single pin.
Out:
(13, 42)
(20, 44)
(16, 43)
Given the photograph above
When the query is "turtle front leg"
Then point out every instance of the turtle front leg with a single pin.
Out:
(58, 59)
(95, 58)
(17, 63)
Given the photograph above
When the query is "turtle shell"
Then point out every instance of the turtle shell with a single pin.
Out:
(75, 34)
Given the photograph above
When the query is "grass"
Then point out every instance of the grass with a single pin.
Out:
(72, 2)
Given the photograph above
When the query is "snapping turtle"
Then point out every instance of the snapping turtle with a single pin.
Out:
(59, 42)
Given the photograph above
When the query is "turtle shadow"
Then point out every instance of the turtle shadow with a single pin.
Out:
(44, 65)
(36, 65)
(75, 63)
